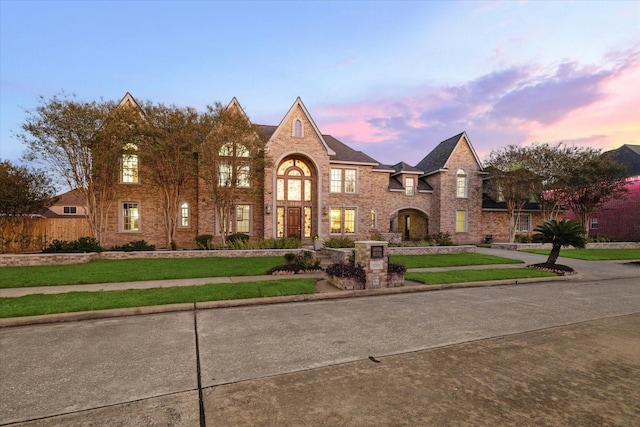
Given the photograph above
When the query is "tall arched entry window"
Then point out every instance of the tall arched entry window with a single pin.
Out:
(295, 184)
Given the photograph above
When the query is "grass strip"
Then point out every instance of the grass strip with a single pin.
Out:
(132, 270)
(460, 276)
(449, 260)
(593, 254)
(32, 305)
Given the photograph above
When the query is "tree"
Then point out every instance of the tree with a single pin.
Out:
(590, 181)
(81, 142)
(171, 136)
(560, 233)
(231, 162)
(23, 194)
(512, 180)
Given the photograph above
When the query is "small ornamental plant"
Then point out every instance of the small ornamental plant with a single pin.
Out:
(347, 271)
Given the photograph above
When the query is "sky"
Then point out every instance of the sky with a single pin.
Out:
(391, 79)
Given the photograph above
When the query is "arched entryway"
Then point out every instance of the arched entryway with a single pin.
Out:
(295, 201)
(412, 224)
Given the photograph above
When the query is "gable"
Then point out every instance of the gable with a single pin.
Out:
(438, 159)
(310, 131)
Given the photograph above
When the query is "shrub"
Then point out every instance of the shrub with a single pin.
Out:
(339, 242)
(298, 262)
(349, 270)
(83, 244)
(599, 238)
(271, 243)
(232, 238)
(135, 245)
(396, 268)
(442, 239)
(524, 238)
(204, 241)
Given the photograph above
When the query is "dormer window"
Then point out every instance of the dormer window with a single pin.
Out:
(297, 128)
(409, 186)
(461, 184)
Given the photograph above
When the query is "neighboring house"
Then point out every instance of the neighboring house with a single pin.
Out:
(318, 186)
(620, 219)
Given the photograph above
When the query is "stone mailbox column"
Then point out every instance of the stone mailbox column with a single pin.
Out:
(373, 257)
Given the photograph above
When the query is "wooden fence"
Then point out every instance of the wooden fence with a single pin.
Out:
(33, 234)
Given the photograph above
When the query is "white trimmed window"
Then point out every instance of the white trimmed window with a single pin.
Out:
(523, 223)
(243, 218)
(184, 215)
(129, 166)
(343, 220)
(130, 216)
(409, 186)
(461, 221)
(461, 183)
(594, 224)
(233, 167)
(70, 210)
(343, 180)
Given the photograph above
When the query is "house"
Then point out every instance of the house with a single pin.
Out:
(316, 186)
(620, 219)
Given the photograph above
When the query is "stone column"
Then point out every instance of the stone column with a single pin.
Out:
(373, 257)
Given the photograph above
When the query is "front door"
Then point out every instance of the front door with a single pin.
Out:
(294, 228)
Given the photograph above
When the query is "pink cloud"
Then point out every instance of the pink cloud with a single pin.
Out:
(589, 106)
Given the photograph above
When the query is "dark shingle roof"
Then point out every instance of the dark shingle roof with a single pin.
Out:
(490, 204)
(424, 185)
(402, 167)
(344, 153)
(395, 184)
(629, 155)
(438, 157)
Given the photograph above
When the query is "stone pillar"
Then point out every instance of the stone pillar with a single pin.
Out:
(373, 257)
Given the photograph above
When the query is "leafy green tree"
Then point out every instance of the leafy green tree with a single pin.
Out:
(589, 181)
(171, 136)
(81, 143)
(231, 162)
(559, 234)
(512, 181)
(23, 194)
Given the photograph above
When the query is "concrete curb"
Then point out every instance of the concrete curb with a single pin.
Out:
(210, 305)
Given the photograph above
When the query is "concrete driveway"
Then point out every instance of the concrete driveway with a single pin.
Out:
(553, 353)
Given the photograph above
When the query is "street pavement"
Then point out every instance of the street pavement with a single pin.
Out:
(549, 353)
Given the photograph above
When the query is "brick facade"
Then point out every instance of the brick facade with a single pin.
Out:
(380, 200)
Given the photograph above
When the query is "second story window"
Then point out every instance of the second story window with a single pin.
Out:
(461, 184)
(129, 164)
(233, 168)
(343, 180)
(409, 186)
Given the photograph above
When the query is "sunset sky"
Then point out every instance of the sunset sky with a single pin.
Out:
(389, 78)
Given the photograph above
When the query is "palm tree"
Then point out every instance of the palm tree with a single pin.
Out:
(560, 233)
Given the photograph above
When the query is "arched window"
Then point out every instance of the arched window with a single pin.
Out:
(184, 215)
(129, 170)
(297, 128)
(461, 183)
(294, 181)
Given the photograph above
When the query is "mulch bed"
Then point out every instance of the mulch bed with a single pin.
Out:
(559, 269)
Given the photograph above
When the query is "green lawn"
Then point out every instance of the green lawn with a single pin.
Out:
(449, 260)
(132, 270)
(594, 254)
(33, 305)
(460, 276)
